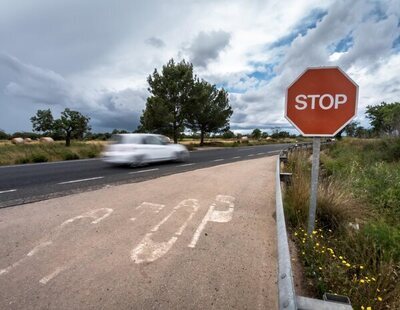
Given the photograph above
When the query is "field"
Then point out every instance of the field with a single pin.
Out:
(36, 152)
(355, 249)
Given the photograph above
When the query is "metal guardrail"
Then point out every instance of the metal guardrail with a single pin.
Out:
(287, 298)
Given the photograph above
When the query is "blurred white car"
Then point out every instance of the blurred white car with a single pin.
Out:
(135, 149)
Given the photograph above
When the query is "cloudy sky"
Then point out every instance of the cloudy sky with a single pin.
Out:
(94, 56)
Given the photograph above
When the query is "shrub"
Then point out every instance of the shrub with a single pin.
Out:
(39, 158)
(359, 183)
(70, 156)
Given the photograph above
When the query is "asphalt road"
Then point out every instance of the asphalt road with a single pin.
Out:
(202, 239)
(34, 182)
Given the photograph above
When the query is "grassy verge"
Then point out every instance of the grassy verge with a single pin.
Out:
(355, 249)
(41, 152)
(195, 143)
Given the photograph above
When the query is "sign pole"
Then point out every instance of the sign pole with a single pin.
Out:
(314, 184)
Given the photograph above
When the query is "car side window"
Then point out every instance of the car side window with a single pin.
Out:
(152, 140)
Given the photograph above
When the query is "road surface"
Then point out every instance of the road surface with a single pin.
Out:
(201, 239)
(34, 182)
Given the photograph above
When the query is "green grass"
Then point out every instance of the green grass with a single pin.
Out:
(359, 183)
(41, 152)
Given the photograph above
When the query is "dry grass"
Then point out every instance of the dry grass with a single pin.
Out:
(40, 152)
(360, 263)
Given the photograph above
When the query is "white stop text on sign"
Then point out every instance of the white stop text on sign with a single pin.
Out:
(325, 101)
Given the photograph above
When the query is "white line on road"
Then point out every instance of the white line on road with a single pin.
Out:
(81, 180)
(8, 191)
(219, 159)
(262, 153)
(236, 157)
(270, 152)
(246, 149)
(52, 275)
(250, 155)
(142, 171)
(186, 165)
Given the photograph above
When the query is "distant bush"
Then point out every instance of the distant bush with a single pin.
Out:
(70, 156)
(39, 158)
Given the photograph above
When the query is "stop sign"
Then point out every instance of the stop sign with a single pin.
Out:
(321, 101)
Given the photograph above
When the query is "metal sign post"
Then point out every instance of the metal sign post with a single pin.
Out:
(314, 184)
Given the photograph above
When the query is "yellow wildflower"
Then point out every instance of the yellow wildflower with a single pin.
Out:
(348, 265)
(379, 298)
(362, 281)
(361, 267)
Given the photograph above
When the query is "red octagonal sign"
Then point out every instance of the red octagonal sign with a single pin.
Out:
(321, 101)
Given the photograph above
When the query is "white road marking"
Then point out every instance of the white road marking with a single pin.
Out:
(270, 152)
(186, 165)
(219, 159)
(236, 157)
(148, 206)
(148, 250)
(38, 247)
(52, 275)
(262, 153)
(250, 155)
(91, 214)
(246, 149)
(213, 215)
(8, 191)
(6, 270)
(81, 180)
(142, 171)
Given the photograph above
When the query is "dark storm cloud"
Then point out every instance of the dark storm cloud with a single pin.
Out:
(207, 46)
(69, 36)
(156, 42)
(33, 83)
(120, 110)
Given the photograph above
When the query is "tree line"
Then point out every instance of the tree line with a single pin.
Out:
(384, 120)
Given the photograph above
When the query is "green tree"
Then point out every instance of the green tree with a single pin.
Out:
(228, 134)
(264, 135)
(3, 135)
(351, 128)
(208, 110)
(256, 134)
(170, 92)
(43, 122)
(384, 118)
(73, 124)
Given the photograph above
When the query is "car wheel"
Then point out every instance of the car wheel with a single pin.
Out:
(137, 161)
(181, 156)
